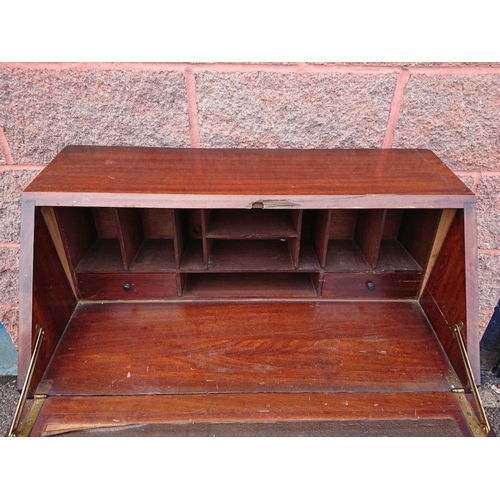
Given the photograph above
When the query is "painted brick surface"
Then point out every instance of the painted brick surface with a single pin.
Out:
(458, 117)
(9, 317)
(488, 212)
(12, 182)
(9, 275)
(293, 110)
(489, 280)
(41, 111)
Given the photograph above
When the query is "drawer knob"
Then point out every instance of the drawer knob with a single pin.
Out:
(370, 286)
(127, 287)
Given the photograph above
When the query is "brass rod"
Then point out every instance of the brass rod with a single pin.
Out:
(484, 424)
(27, 382)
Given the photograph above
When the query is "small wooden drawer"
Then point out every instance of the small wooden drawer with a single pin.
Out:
(371, 285)
(126, 286)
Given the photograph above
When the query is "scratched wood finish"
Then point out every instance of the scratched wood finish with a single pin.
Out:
(175, 348)
(66, 414)
(196, 334)
(278, 172)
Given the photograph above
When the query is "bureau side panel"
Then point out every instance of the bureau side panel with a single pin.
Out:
(444, 298)
(53, 300)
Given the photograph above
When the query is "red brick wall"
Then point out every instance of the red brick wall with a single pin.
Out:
(453, 109)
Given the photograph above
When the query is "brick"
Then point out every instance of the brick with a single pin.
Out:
(293, 110)
(41, 111)
(489, 280)
(468, 180)
(488, 212)
(458, 117)
(484, 319)
(12, 182)
(9, 275)
(9, 317)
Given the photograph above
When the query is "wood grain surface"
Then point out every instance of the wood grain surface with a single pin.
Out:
(66, 414)
(176, 348)
(286, 172)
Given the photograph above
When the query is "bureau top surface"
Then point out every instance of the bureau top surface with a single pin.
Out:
(260, 172)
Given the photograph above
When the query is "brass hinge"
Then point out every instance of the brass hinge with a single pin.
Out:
(481, 426)
(29, 421)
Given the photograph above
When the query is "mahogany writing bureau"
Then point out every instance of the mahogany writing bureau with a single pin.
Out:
(248, 292)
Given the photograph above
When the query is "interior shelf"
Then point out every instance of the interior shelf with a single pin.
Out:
(249, 285)
(154, 255)
(251, 224)
(103, 256)
(191, 243)
(345, 256)
(394, 257)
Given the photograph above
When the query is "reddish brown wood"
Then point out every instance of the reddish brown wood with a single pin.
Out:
(392, 224)
(320, 225)
(272, 299)
(106, 222)
(174, 348)
(154, 256)
(52, 224)
(157, 223)
(127, 286)
(78, 232)
(294, 242)
(53, 298)
(368, 235)
(260, 255)
(193, 221)
(130, 233)
(444, 297)
(206, 242)
(65, 414)
(370, 286)
(345, 256)
(394, 257)
(418, 229)
(180, 236)
(343, 224)
(104, 256)
(274, 173)
(243, 255)
(249, 285)
(253, 224)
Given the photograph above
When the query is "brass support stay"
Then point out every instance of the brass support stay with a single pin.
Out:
(37, 404)
(481, 428)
